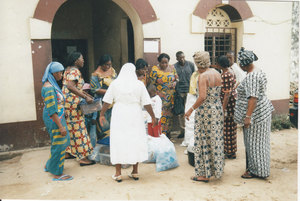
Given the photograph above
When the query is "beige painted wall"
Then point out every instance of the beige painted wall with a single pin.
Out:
(271, 42)
(268, 33)
(173, 27)
(17, 102)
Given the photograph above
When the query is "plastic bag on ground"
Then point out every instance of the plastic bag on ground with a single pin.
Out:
(153, 143)
(165, 154)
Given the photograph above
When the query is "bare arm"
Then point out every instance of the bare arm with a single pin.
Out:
(103, 110)
(61, 128)
(101, 91)
(72, 87)
(225, 100)
(251, 106)
(151, 113)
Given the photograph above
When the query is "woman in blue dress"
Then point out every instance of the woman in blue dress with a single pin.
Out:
(55, 122)
(100, 81)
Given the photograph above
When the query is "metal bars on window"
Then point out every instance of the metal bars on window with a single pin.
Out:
(218, 41)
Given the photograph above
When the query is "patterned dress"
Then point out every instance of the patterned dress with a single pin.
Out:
(257, 135)
(230, 127)
(54, 103)
(102, 82)
(80, 144)
(163, 82)
(209, 143)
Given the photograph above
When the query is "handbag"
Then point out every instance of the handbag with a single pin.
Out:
(178, 104)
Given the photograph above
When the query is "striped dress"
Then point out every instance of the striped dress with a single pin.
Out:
(257, 135)
(54, 104)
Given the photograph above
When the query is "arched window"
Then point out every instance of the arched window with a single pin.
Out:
(220, 37)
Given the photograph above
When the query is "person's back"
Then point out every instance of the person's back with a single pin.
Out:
(213, 78)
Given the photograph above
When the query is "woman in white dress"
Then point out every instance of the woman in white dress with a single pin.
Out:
(128, 139)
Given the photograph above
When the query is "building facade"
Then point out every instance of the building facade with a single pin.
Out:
(35, 32)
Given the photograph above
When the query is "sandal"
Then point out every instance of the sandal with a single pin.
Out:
(117, 178)
(195, 178)
(85, 164)
(69, 156)
(233, 156)
(61, 178)
(133, 176)
(249, 175)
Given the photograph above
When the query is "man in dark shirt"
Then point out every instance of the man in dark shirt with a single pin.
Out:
(184, 70)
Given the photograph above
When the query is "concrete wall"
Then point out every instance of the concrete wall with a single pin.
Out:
(22, 37)
(268, 34)
(107, 21)
(75, 21)
(17, 102)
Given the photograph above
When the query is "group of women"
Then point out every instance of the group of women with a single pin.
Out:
(220, 105)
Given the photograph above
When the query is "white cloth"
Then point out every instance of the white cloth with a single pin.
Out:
(156, 104)
(189, 125)
(128, 140)
(239, 73)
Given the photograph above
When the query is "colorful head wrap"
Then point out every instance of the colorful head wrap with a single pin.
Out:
(53, 67)
(246, 57)
(202, 58)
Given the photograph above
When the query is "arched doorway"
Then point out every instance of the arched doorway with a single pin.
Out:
(224, 28)
(93, 28)
(221, 33)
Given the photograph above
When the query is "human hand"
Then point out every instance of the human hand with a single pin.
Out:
(188, 114)
(63, 131)
(89, 100)
(154, 122)
(102, 120)
(247, 122)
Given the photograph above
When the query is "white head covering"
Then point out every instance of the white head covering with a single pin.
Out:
(127, 78)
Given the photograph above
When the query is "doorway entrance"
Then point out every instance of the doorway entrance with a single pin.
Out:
(93, 28)
(61, 48)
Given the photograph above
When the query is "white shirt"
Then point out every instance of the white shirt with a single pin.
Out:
(156, 104)
(239, 73)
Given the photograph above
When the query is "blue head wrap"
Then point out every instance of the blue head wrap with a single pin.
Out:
(53, 67)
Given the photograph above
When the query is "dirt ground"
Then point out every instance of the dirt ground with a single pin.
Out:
(23, 178)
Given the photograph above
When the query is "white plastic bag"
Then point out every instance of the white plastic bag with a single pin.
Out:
(165, 154)
(153, 143)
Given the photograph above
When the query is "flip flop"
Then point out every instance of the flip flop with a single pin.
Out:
(117, 178)
(194, 178)
(133, 176)
(61, 178)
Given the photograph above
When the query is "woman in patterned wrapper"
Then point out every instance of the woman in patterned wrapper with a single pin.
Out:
(209, 144)
(100, 81)
(254, 111)
(80, 143)
(164, 77)
(228, 97)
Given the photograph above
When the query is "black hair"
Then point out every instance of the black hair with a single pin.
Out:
(178, 53)
(223, 61)
(71, 59)
(103, 59)
(163, 55)
(140, 63)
